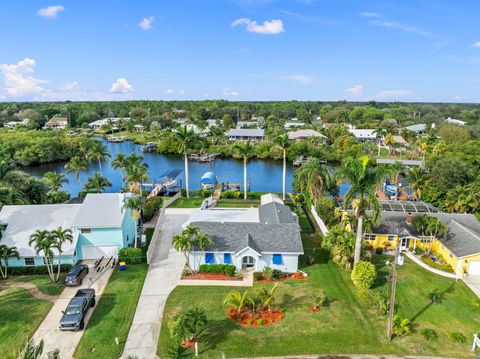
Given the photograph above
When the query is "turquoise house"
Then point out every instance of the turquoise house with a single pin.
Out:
(100, 227)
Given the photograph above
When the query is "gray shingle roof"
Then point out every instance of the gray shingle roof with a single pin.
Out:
(463, 230)
(245, 132)
(275, 212)
(100, 210)
(235, 236)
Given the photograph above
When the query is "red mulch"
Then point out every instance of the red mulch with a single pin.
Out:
(209, 276)
(294, 276)
(249, 318)
(190, 344)
(313, 308)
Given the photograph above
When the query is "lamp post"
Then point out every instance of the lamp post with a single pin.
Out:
(392, 298)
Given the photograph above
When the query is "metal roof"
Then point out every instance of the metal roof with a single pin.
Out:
(245, 132)
(101, 210)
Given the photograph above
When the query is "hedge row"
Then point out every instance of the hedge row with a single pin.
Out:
(131, 255)
(228, 269)
(36, 269)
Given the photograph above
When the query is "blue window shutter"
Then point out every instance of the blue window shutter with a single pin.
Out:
(277, 259)
(209, 258)
(227, 258)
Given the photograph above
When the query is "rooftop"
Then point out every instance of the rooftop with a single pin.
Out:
(246, 132)
(100, 210)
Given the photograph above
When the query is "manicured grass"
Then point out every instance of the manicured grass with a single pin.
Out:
(194, 202)
(346, 325)
(20, 316)
(113, 314)
(237, 203)
(43, 283)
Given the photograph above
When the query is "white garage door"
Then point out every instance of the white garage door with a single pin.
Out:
(96, 252)
(474, 267)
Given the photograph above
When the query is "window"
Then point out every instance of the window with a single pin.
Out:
(227, 258)
(209, 258)
(29, 261)
(370, 237)
(391, 237)
(277, 259)
(86, 230)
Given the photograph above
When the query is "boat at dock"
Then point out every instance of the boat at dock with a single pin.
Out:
(116, 139)
(203, 157)
(208, 181)
(148, 147)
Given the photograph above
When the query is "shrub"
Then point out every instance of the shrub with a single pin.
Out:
(325, 208)
(401, 326)
(257, 275)
(429, 334)
(254, 195)
(379, 250)
(152, 205)
(444, 267)
(36, 270)
(228, 269)
(363, 275)
(386, 245)
(260, 321)
(376, 301)
(229, 194)
(418, 251)
(457, 337)
(204, 193)
(131, 255)
(277, 274)
(268, 273)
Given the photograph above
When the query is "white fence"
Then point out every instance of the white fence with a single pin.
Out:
(158, 226)
(319, 221)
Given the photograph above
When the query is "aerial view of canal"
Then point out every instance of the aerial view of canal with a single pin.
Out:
(263, 175)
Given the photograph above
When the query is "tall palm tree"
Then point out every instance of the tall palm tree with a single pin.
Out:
(135, 205)
(55, 180)
(61, 236)
(462, 199)
(97, 183)
(237, 300)
(389, 142)
(43, 243)
(98, 153)
(181, 243)
(416, 178)
(283, 142)
(6, 253)
(364, 180)
(137, 172)
(186, 139)
(244, 149)
(198, 239)
(75, 166)
(120, 162)
(312, 178)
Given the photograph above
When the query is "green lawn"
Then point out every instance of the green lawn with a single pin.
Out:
(194, 202)
(237, 203)
(346, 325)
(21, 314)
(113, 314)
(43, 283)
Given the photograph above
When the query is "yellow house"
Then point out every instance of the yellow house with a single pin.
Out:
(459, 247)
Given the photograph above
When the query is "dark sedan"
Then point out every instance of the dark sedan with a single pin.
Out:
(75, 275)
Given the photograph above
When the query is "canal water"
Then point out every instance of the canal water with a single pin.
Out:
(263, 175)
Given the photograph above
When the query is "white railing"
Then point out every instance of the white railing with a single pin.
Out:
(158, 226)
(319, 221)
(207, 202)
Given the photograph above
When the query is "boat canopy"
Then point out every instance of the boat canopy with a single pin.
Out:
(208, 177)
(172, 174)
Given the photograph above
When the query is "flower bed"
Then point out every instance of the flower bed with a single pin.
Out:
(437, 265)
(259, 277)
(256, 319)
(209, 276)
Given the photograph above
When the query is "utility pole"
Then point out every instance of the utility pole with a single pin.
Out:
(392, 299)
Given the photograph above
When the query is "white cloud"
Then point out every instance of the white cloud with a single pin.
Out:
(370, 14)
(268, 27)
(50, 11)
(477, 45)
(71, 86)
(169, 91)
(121, 85)
(460, 98)
(146, 23)
(228, 92)
(181, 92)
(355, 90)
(392, 94)
(303, 79)
(18, 78)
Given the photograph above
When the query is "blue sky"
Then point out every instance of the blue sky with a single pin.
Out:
(401, 50)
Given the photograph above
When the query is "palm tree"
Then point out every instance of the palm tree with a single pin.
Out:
(98, 153)
(11, 195)
(267, 296)
(416, 180)
(135, 205)
(244, 149)
(181, 243)
(43, 243)
(6, 253)
(55, 180)
(462, 199)
(389, 141)
(198, 239)
(187, 325)
(187, 139)
(396, 169)
(283, 142)
(137, 172)
(379, 133)
(120, 162)
(61, 236)
(312, 178)
(97, 183)
(216, 133)
(364, 180)
(297, 200)
(75, 166)
(238, 301)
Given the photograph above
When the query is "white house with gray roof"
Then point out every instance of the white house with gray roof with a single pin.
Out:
(100, 227)
(245, 134)
(268, 236)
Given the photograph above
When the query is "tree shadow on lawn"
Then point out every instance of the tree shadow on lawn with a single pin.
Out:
(103, 307)
(447, 290)
(215, 334)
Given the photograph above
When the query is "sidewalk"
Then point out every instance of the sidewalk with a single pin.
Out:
(430, 269)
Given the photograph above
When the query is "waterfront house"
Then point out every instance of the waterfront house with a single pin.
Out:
(57, 123)
(268, 236)
(247, 124)
(306, 134)
(100, 227)
(419, 128)
(289, 125)
(97, 125)
(453, 121)
(364, 135)
(245, 134)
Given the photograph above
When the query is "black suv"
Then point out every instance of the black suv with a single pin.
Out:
(75, 275)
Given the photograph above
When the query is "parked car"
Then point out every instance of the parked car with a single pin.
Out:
(75, 275)
(74, 315)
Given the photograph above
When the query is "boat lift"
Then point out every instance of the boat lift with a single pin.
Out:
(168, 182)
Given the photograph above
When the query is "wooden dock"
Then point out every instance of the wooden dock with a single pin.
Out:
(300, 160)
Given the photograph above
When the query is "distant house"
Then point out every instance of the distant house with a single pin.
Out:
(245, 134)
(419, 128)
(138, 128)
(213, 122)
(197, 130)
(247, 124)
(455, 122)
(293, 125)
(331, 124)
(97, 125)
(399, 140)
(100, 227)
(12, 124)
(57, 123)
(268, 236)
(305, 134)
(364, 135)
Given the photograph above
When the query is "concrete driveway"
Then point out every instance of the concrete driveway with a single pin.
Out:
(162, 277)
(473, 282)
(67, 341)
